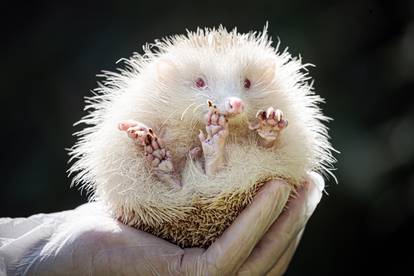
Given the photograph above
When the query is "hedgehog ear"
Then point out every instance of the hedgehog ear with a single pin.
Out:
(269, 71)
(166, 69)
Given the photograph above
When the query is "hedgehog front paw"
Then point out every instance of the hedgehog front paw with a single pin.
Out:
(213, 145)
(136, 131)
(157, 156)
(268, 125)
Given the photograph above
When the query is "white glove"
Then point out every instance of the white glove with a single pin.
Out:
(87, 241)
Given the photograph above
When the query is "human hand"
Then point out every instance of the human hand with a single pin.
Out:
(87, 240)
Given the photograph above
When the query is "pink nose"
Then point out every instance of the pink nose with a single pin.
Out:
(234, 105)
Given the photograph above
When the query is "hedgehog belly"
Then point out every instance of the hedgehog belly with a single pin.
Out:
(208, 219)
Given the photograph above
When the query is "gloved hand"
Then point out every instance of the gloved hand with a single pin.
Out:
(87, 241)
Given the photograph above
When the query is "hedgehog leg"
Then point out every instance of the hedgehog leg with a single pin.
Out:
(213, 145)
(269, 125)
(157, 156)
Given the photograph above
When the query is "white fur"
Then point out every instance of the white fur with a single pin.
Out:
(157, 89)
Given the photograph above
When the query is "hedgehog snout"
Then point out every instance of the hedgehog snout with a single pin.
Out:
(233, 105)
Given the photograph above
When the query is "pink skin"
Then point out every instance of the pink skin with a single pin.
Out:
(233, 106)
(157, 156)
(213, 145)
(135, 130)
(268, 125)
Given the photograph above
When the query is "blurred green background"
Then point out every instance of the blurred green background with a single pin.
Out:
(364, 56)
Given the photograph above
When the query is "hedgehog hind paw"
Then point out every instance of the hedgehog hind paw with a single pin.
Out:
(213, 144)
(157, 156)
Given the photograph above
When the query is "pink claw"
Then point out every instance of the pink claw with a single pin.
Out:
(282, 124)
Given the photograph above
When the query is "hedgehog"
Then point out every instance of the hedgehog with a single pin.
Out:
(179, 141)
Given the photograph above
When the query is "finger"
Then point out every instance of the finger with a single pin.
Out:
(214, 118)
(282, 124)
(124, 125)
(283, 263)
(207, 117)
(131, 133)
(154, 144)
(230, 251)
(261, 115)
(278, 114)
(270, 113)
(288, 225)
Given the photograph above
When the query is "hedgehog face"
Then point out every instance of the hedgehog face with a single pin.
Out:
(238, 82)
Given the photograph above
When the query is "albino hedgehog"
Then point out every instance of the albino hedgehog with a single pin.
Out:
(179, 142)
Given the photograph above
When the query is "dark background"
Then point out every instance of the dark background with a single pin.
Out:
(364, 52)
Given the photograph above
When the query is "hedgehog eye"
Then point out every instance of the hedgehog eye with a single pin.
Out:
(247, 83)
(200, 83)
